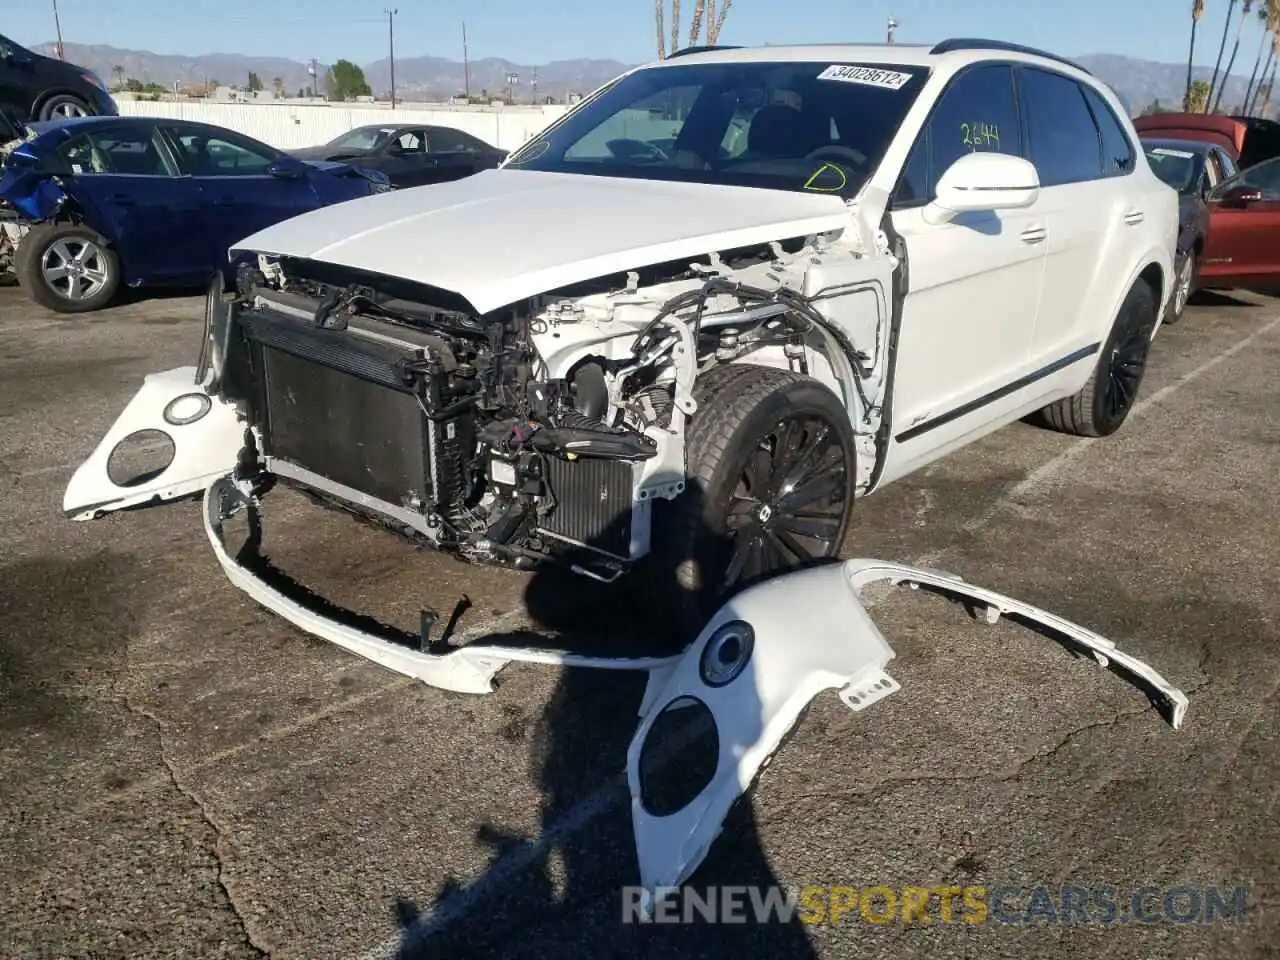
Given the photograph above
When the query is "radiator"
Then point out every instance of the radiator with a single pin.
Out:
(593, 504)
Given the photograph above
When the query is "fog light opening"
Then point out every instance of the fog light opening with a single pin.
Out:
(727, 653)
(141, 456)
(679, 757)
(187, 408)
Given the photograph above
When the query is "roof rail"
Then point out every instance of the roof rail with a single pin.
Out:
(970, 43)
(688, 50)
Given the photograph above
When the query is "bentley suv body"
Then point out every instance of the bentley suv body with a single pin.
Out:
(688, 325)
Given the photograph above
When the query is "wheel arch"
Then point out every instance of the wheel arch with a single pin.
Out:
(74, 215)
(1155, 268)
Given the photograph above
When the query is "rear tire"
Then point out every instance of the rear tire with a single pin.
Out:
(1107, 398)
(67, 267)
(771, 468)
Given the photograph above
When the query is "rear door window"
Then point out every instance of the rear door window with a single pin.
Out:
(137, 151)
(1066, 146)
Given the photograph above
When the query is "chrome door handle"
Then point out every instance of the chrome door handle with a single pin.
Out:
(1134, 217)
(1034, 234)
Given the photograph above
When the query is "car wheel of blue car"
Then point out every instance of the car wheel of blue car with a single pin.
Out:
(68, 268)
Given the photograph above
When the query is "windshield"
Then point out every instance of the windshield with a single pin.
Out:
(812, 127)
(363, 138)
(1177, 168)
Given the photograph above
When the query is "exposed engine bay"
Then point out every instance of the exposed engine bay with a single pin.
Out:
(540, 431)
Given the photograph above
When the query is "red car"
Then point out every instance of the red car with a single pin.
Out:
(1242, 245)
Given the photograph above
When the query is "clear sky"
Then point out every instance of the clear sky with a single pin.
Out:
(620, 29)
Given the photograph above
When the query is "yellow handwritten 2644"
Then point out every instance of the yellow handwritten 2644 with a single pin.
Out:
(978, 136)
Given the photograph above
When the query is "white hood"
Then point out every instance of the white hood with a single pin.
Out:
(502, 235)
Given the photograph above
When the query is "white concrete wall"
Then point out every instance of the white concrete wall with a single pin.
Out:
(290, 125)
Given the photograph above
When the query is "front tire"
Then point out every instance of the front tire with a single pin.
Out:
(1184, 286)
(68, 268)
(771, 468)
(64, 107)
(1107, 398)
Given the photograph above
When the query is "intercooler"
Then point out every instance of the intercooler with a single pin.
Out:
(347, 406)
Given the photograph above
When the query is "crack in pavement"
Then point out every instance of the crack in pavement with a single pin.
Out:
(997, 775)
(206, 814)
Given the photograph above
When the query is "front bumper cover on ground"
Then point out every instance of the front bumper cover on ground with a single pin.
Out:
(755, 667)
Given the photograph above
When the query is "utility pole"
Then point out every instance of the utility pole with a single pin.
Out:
(58, 24)
(893, 25)
(466, 62)
(391, 43)
(533, 97)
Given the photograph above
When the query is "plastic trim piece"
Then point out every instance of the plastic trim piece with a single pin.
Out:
(812, 634)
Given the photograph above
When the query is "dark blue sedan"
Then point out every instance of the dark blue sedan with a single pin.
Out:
(102, 201)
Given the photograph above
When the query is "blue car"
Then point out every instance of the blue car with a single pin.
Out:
(141, 201)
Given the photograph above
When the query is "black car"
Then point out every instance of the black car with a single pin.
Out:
(35, 87)
(1193, 168)
(410, 155)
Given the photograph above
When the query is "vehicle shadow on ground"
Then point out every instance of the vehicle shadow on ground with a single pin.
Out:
(131, 296)
(1216, 298)
(563, 891)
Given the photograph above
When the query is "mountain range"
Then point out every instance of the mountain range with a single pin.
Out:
(1139, 82)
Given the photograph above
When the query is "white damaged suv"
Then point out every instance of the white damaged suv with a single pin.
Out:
(687, 326)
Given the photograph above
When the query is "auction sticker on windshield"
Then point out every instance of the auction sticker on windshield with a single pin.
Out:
(867, 76)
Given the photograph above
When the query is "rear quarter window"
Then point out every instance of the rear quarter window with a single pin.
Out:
(1118, 156)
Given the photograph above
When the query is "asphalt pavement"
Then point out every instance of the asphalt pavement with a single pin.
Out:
(184, 775)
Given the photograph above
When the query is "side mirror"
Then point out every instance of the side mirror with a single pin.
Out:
(982, 182)
(287, 168)
(1239, 196)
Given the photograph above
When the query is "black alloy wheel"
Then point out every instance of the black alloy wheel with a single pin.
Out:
(790, 502)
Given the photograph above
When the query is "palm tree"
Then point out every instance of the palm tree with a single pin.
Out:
(1197, 11)
(704, 12)
(118, 72)
(1222, 46)
(1245, 8)
(277, 84)
(1266, 97)
(695, 25)
(1264, 18)
(715, 22)
(1198, 102)
(1269, 65)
